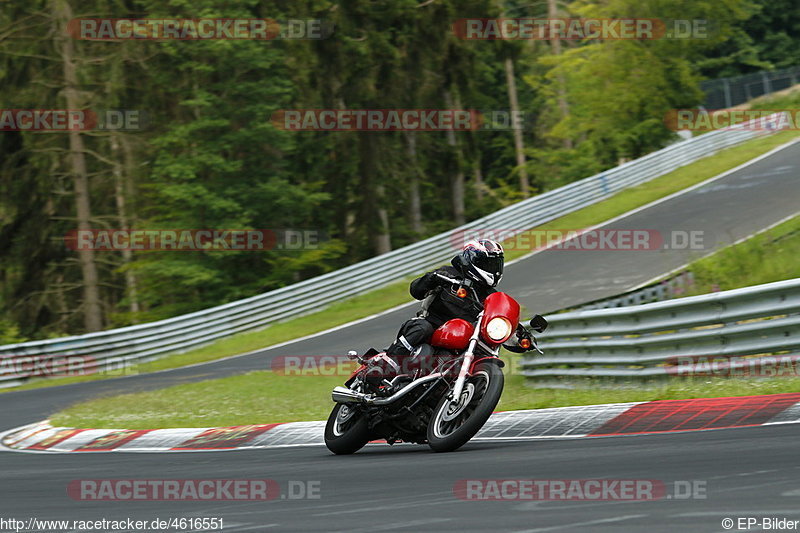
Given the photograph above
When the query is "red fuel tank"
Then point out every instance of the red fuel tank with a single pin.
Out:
(453, 334)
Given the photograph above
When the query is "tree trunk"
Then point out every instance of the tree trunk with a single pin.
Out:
(347, 212)
(121, 179)
(383, 240)
(92, 312)
(519, 146)
(376, 217)
(414, 201)
(479, 185)
(456, 173)
(555, 42)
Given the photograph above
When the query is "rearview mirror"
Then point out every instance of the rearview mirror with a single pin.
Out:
(538, 323)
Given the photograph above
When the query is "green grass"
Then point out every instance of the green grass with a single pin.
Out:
(783, 100)
(253, 398)
(397, 293)
(264, 397)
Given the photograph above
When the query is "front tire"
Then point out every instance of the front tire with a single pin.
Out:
(346, 431)
(453, 424)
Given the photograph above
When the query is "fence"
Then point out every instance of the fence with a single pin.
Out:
(118, 347)
(728, 92)
(750, 331)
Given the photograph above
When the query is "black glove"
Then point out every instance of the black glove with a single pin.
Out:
(524, 341)
(429, 281)
(421, 286)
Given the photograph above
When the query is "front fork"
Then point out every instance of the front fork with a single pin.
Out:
(469, 355)
(466, 364)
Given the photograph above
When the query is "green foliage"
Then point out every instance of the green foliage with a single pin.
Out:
(618, 91)
(768, 38)
(558, 166)
(9, 333)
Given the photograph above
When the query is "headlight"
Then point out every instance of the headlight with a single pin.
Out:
(498, 329)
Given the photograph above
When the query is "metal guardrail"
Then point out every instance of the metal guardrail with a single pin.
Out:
(118, 347)
(738, 332)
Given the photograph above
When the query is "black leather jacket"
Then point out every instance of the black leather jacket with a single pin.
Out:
(444, 304)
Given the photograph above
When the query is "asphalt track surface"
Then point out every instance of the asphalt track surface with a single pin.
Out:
(407, 488)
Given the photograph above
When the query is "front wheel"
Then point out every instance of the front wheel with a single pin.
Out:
(346, 431)
(455, 422)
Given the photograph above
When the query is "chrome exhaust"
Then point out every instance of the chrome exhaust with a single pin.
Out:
(345, 395)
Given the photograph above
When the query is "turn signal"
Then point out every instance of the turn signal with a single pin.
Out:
(525, 343)
(461, 292)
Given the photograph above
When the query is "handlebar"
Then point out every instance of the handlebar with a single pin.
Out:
(454, 281)
(535, 345)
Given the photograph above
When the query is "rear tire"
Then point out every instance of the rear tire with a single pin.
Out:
(346, 431)
(452, 425)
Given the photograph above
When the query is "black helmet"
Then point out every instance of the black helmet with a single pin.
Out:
(481, 260)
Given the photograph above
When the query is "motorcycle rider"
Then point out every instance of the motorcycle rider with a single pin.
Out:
(480, 263)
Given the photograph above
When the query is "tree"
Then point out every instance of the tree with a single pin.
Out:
(93, 315)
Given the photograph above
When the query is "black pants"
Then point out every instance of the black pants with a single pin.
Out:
(412, 333)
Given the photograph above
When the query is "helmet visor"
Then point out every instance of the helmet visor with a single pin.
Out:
(490, 263)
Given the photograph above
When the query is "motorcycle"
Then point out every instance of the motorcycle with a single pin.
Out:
(450, 389)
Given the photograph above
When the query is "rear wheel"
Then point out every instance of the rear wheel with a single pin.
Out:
(455, 422)
(346, 431)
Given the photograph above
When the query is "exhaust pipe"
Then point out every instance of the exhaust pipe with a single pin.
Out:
(345, 395)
